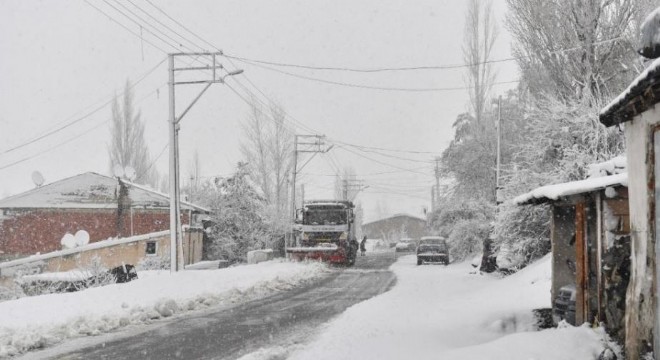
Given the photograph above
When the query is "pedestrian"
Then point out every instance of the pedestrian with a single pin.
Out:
(363, 245)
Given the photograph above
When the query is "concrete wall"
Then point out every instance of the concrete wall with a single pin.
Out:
(642, 290)
(128, 251)
(30, 231)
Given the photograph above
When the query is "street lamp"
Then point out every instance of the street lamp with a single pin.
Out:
(176, 248)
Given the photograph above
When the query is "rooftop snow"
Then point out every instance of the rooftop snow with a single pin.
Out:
(613, 166)
(88, 191)
(556, 191)
(396, 216)
(614, 113)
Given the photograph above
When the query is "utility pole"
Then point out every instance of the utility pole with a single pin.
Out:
(433, 203)
(313, 144)
(176, 244)
(351, 188)
(437, 180)
(498, 197)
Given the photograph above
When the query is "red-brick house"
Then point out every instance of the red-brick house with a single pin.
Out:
(35, 221)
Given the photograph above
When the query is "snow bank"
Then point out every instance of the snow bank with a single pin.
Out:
(437, 312)
(35, 322)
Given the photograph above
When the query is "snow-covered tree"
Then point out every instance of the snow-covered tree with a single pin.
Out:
(238, 218)
(574, 48)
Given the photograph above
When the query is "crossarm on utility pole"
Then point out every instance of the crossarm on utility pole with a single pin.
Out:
(193, 102)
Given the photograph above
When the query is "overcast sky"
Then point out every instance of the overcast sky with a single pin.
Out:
(65, 59)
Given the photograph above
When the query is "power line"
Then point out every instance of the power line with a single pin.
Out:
(71, 139)
(380, 162)
(363, 70)
(403, 68)
(153, 162)
(87, 115)
(370, 87)
(383, 149)
(139, 24)
(164, 25)
(125, 27)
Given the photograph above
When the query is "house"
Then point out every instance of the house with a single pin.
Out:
(35, 221)
(636, 108)
(590, 238)
(395, 227)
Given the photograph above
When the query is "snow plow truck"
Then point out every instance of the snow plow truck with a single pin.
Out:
(325, 231)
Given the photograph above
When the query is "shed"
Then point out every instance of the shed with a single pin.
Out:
(590, 237)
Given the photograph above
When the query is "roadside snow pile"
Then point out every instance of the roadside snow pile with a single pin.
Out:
(439, 312)
(41, 321)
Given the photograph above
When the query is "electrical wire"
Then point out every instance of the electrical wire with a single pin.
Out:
(125, 27)
(71, 139)
(403, 68)
(370, 87)
(81, 118)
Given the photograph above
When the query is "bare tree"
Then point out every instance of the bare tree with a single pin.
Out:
(127, 146)
(574, 48)
(194, 175)
(268, 148)
(479, 38)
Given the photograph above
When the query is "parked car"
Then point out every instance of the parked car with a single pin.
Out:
(406, 245)
(432, 249)
(564, 306)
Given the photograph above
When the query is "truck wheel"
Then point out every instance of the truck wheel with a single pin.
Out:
(419, 262)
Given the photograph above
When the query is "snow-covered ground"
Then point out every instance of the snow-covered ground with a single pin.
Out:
(438, 312)
(39, 321)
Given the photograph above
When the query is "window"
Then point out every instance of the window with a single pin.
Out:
(152, 246)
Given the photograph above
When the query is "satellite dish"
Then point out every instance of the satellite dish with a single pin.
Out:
(118, 171)
(37, 178)
(129, 172)
(68, 241)
(82, 237)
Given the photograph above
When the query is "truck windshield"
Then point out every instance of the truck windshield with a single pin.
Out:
(324, 217)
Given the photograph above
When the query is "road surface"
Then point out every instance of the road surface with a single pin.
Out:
(285, 319)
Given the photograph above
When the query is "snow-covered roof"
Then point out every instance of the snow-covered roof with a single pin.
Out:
(89, 191)
(618, 110)
(613, 166)
(395, 216)
(556, 191)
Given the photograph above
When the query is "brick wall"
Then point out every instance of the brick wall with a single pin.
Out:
(27, 232)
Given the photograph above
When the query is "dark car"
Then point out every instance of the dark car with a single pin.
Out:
(432, 249)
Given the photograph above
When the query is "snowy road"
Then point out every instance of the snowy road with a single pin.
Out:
(285, 319)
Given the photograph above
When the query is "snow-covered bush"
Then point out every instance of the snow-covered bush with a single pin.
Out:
(11, 292)
(154, 263)
(467, 238)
